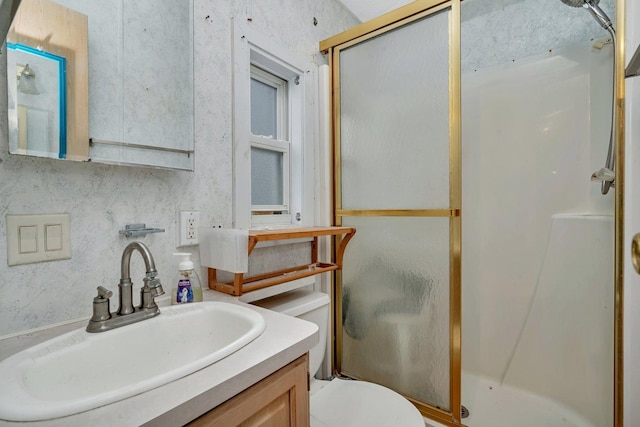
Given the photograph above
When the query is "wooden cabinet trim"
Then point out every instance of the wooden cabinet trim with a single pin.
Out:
(281, 399)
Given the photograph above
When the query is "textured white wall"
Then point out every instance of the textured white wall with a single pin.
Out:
(500, 31)
(101, 199)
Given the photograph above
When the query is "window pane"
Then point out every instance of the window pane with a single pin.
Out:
(263, 109)
(266, 177)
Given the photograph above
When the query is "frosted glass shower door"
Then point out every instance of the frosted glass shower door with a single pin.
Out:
(397, 180)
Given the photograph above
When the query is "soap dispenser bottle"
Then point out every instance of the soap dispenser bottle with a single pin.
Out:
(188, 287)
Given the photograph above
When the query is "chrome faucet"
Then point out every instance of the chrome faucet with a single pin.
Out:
(103, 320)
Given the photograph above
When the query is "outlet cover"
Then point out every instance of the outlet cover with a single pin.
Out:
(188, 223)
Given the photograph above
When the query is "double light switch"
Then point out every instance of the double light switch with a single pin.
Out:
(37, 238)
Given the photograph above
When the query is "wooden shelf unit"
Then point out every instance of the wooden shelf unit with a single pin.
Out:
(240, 284)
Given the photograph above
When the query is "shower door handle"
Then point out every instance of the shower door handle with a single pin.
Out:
(635, 252)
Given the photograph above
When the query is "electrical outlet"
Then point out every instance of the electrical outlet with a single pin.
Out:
(188, 223)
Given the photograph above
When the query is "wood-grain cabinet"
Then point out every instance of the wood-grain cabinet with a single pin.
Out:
(281, 399)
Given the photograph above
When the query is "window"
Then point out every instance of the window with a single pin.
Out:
(270, 144)
(274, 120)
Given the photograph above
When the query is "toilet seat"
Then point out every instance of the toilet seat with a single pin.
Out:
(346, 403)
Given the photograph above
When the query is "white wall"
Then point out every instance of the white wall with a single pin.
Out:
(102, 199)
(527, 154)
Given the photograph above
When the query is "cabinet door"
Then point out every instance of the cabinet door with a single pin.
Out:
(281, 399)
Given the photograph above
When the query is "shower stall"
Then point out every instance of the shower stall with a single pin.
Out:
(474, 154)
(538, 234)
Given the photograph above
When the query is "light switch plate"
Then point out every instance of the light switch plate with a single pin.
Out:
(37, 238)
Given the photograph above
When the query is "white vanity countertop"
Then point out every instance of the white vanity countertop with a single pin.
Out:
(284, 340)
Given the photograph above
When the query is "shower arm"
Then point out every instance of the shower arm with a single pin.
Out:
(610, 163)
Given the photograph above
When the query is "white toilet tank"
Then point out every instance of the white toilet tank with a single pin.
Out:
(307, 305)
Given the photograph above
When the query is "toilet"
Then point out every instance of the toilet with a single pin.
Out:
(341, 403)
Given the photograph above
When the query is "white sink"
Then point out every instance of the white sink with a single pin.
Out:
(79, 371)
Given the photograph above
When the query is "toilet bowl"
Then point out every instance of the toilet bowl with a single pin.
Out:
(339, 402)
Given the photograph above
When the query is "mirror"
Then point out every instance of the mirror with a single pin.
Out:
(49, 28)
(37, 96)
(136, 106)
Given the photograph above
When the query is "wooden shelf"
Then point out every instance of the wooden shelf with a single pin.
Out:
(240, 284)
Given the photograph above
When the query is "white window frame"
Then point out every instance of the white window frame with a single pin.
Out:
(279, 143)
(249, 47)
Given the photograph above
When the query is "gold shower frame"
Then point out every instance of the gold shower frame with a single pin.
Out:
(399, 17)
(618, 333)
(390, 21)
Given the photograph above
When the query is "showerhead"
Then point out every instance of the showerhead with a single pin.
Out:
(596, 12)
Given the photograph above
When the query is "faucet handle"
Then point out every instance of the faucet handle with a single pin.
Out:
(100, 309)
(103, 293)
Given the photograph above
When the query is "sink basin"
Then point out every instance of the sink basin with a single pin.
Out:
(78, 371)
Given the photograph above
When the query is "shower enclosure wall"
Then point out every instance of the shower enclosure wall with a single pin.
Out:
(537, 234)
(397, 180)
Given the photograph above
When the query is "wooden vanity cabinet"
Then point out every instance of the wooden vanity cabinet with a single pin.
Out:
(281, 399)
